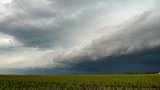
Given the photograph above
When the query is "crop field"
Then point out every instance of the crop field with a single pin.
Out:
(80, 82)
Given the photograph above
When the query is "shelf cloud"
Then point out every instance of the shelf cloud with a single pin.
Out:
(80, 35)
(138, 34)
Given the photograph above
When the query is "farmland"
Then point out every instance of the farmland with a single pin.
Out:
(80, 82)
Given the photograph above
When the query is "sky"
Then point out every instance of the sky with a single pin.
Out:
(79, 36)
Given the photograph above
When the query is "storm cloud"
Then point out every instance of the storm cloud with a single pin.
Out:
(140, 33)
(60, 34)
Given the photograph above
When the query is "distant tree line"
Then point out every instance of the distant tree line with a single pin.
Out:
(155, 72)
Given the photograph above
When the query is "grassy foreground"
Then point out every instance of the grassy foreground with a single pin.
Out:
(80, 82)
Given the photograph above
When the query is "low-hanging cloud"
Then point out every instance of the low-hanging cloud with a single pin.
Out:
(138, 34)
(31, 29)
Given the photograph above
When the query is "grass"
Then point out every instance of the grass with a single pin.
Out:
(80, 82)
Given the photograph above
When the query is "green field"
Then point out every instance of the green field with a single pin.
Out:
(80, 82)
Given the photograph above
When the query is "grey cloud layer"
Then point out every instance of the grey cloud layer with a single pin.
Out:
(138, 34)
(49, 23)
(68, 23)
(44, 23)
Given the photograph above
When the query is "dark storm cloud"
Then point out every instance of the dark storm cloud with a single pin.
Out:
(141, 33)
(142, 62)
(28, 23)
(146, 61)
(42, 24)
(48, 23)
(68, 23)
(35, 37)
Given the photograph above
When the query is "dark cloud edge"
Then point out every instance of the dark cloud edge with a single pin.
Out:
(142, 62)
